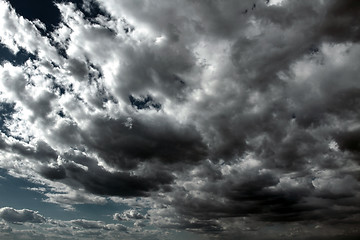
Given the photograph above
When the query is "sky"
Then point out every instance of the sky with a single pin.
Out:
(183, 119)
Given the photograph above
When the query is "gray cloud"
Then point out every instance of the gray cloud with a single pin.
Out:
(20, 216)
(153, 138)
(81, 171)
(88, 224)
(229, 118)
(41, 152)
(131, 214)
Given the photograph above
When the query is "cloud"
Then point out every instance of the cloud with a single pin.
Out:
(89, 224)
(156, 138)
(4, 228)
(78, 170)
(70, 197)
(130, 214)
(12, 215)
(40, 152)
(225, 118)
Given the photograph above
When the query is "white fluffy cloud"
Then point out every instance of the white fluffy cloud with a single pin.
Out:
(130, 214)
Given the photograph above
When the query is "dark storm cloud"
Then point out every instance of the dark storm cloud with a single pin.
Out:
(81, 171)
(341, 22)
(231, 118)
(117, 184)
(53, 172)
(154, 138)
(244, 195)
(349, 140)
(41, 152)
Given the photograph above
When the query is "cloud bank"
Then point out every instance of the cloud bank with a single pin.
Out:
(223, 118)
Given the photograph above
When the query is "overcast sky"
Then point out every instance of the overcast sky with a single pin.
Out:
(182, 119)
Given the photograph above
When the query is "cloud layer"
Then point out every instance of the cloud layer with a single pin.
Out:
(224, 118)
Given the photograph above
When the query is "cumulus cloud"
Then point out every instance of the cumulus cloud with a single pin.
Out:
(12, 215)
(130, 214)
(227, 118)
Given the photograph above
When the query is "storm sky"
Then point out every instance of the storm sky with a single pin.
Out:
(182, 119)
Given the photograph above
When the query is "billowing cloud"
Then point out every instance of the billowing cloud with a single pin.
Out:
(20, 216)
(131, 214)
(224, 118)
